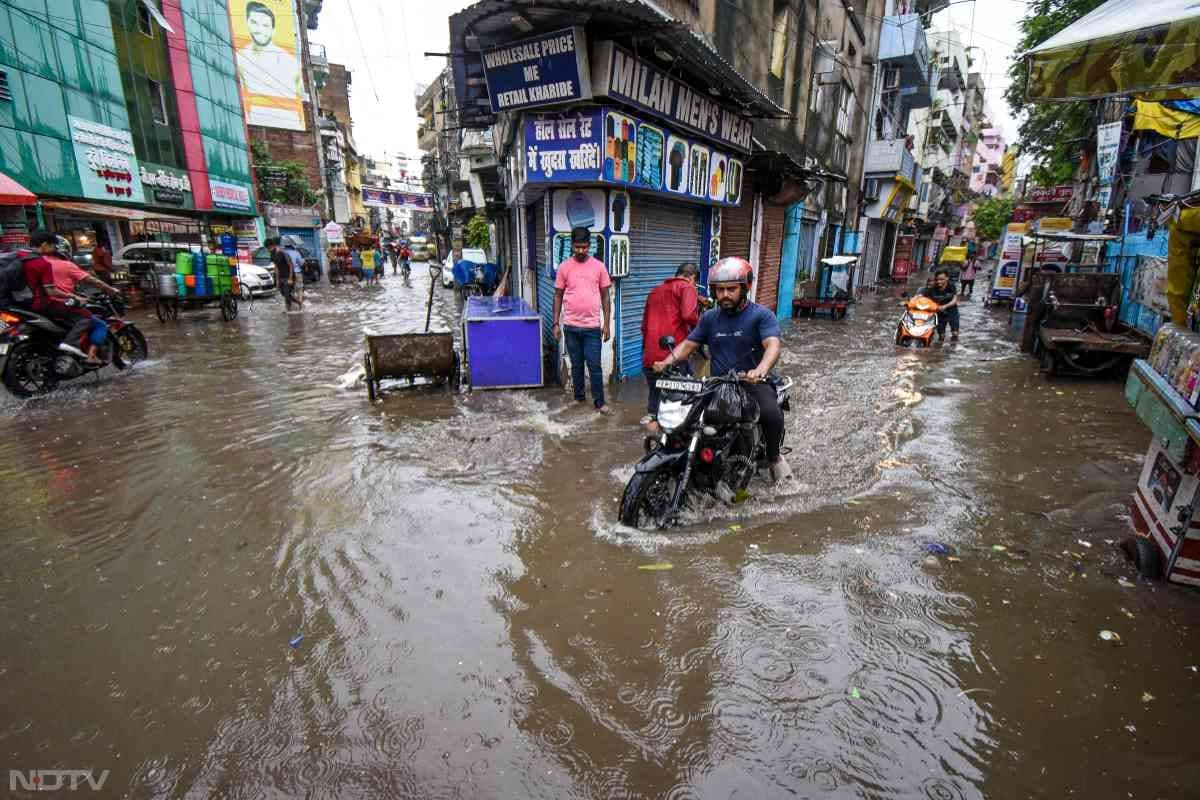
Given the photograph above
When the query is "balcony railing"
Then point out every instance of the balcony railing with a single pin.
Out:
(891, 157)
(902, 44)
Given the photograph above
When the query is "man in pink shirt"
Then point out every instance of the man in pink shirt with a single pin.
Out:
(580, 296)
(67, 275)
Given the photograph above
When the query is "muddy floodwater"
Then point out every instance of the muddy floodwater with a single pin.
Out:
(476, 624)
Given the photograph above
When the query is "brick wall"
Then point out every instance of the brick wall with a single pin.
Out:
(293, 146)
(335, 95)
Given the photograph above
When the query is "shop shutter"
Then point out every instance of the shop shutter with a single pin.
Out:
(307, 236)
(737, 228)
(805, 263)
(545, 280)
(771, 248)
(661, 237)
(512, 255)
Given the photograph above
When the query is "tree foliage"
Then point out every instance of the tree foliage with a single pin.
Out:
(296, 189)
(477, 232)
(1050, 132)
(991, 216)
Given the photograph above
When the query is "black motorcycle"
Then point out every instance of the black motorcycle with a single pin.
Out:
(711, 443)
(31, 363)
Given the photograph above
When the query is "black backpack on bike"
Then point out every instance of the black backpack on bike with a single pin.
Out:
(14, 292)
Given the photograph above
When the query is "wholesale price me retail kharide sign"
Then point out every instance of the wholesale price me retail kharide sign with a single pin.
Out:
(544, 70)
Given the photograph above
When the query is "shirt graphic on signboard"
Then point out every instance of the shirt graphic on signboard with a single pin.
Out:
(649, 156)
(716, 177)
(620, 147)
(677, 164)
(618, 216)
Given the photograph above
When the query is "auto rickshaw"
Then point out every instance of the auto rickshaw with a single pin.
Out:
(953, 259)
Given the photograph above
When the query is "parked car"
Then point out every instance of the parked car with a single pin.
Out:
(473, 254)
(256, 281)
(141, 258)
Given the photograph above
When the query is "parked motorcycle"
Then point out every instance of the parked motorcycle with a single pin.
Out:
(711, 443)
(31, 363)
(918, 323)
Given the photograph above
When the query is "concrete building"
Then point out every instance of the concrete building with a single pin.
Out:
(775, 179)
(986, 171)
(893, 172)
(124, 121)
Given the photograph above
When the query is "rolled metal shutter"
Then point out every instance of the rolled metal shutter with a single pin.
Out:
(513, 255)
(737, 228)
(545, 292)
(771, 249)
(661, 237)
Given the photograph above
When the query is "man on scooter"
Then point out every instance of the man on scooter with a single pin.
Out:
(946, 296)
(741, 335)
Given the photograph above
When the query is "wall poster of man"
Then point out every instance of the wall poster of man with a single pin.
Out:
(268, 62)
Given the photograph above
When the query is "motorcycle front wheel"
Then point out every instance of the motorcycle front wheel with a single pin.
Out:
(647, 499)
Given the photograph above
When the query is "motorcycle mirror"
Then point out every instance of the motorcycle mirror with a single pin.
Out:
(666, 342)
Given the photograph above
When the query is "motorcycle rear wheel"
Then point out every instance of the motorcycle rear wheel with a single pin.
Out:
(29, 371)
(647, 499)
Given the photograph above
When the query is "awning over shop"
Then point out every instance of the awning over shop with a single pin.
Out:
(491, 22)
(110, 212)
(14, 194)
(1123, 47)
(1168, 121)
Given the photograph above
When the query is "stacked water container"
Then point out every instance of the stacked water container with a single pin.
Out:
(200, 275)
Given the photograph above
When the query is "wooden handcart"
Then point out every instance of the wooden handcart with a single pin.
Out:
(408, 356)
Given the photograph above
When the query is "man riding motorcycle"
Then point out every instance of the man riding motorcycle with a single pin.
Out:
(740, 335)
(51, 300)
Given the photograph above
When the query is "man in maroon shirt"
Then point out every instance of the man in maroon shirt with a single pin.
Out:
(50, 301)
(672, 309)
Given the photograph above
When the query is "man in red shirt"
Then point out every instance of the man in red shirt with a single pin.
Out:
(672, 309)
(102, 261)
(50, 300)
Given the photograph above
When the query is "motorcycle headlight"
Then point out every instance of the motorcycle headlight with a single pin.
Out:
(671, 415)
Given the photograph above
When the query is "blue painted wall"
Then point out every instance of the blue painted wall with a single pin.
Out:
(787, 260)
(851, 243)
(1123, 258)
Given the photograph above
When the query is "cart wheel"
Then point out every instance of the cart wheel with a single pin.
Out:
(162, 311)
(369, 377)
(229, 309)
(1145, 557)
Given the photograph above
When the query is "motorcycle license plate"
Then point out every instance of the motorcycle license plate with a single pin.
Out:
(679, 385)
(4, 349)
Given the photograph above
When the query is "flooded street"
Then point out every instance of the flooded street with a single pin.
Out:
(475, 621)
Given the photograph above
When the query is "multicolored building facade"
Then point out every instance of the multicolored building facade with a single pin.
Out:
(119, 112)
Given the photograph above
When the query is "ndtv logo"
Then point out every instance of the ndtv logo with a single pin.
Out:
(52, 780)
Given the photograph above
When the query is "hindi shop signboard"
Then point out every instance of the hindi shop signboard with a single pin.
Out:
(230, 196)
(1051, 194)
(621, 75)
(407, 201)
(544, 70)
(107, 163)
(606, 145)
